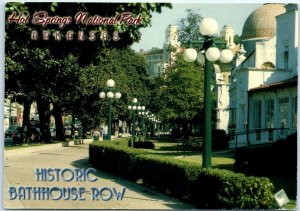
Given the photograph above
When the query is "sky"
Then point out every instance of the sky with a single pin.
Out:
(232, 14)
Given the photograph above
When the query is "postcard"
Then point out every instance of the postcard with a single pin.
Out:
(149, 105)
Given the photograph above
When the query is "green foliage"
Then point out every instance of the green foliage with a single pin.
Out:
(225, 189)
(144, 144)
(169, 176)
(127, 68)
(237, 39)
(189, 28)
(181, 96)
(213, 188)
(115, 159)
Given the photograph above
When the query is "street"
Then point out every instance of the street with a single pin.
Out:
(19, 171)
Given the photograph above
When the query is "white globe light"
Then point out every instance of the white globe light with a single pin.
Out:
(102, 95)
(134, 107)
(110, 95)
(208, 26)
(129, 107)
(143, 113)
(200, 58)
(143, 107)
(226, 56)
(139, 113)
(189, 54)
(118, 95)
(110, 83)
(212, 54)
(139, 107)
(134, 100)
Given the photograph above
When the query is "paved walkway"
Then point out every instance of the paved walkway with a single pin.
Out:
(20, 165)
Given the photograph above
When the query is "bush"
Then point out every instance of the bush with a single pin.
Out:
(226, 189)
(115, 159)
(220, 140)
(184, 180)
(168, 176)
(144, 144)
(278, 158)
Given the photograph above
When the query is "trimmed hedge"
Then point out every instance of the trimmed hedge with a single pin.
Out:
(144, 144)
(226, 189)
(213, 188)
(168, 176)
(115, 159)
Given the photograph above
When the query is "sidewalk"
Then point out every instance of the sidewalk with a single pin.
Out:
(20, 165)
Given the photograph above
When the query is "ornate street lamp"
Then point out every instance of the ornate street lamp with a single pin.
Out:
(142, 113)
(208, 28)
(133, 108)
(111, 93)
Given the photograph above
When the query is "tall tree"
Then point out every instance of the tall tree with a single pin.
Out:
(189, 28)
(182, 93)
(45, 71)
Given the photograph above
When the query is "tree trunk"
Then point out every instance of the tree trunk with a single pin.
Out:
(185, 130)
(57, 113)
(73, 127)
(44, 116)
(26, 118)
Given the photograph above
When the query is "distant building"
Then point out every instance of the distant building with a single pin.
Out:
(227, 34)
(155, 62)
(159, 58)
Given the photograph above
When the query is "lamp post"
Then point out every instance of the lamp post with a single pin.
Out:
(208, 28)
(111, 93)
(142, 113)
(132, 108)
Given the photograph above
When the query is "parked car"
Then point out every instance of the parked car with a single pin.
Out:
(9, 132)
(33, 134)
(17, 136)
(53, 132)
(68, 132)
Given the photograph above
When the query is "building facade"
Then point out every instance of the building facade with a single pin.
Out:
(263, 85)
(159, 58)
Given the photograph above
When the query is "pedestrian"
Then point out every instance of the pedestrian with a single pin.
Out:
(96, 135)
(105, 133)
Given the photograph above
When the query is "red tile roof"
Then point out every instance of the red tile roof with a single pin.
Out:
(281, 84)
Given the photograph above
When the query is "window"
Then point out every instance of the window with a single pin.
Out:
(294, 112)
(232, 119)
(283, 111)
(270, 113)
(286, 60)
(257, 117)
(257, 114)
(269, 110)
(242, 117)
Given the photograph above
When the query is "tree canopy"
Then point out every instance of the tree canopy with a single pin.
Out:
(189, 28)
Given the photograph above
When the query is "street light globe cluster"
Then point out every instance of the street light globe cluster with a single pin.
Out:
(208, 27)
(140, 110)
(110, 84)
